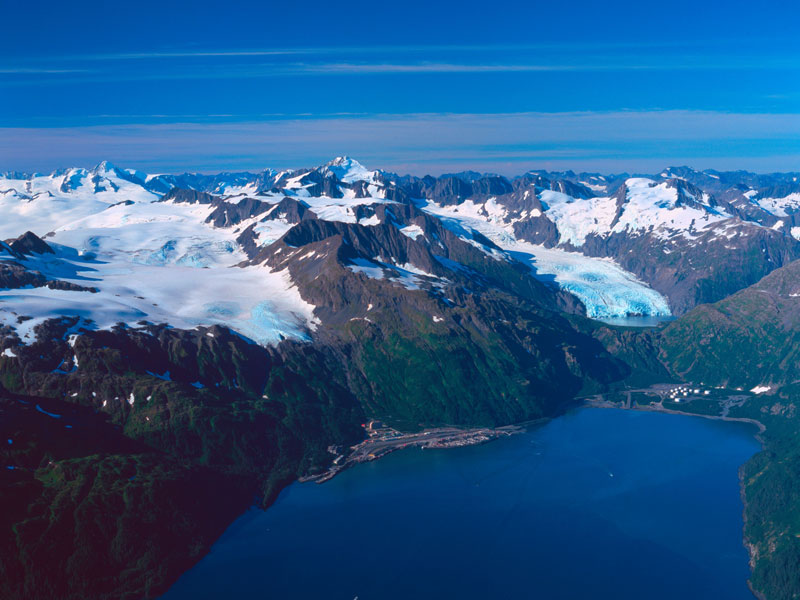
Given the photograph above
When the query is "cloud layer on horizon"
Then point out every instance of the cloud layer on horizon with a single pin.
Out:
(642, 141)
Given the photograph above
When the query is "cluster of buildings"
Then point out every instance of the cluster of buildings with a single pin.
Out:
(681, 392)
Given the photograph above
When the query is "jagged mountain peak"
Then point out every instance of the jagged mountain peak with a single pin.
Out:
(677, 171)
(30, 243)
(105, 167)
(340, 161)
(343, 161)
(469, 175)
(347, 170)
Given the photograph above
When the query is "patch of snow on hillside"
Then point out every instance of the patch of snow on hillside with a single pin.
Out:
(596, 188)
(270, 231)
(780, 207)
(367, 267)
(412, 231)
(340, 209)
(648, 207)
(239, 190)
(577, 219)
(407, 275)
(656, 206)
(370, 221)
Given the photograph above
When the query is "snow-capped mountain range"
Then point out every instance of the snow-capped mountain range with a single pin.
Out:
(197, 250)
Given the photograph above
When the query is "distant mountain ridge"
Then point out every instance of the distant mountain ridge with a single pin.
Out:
(347, 170)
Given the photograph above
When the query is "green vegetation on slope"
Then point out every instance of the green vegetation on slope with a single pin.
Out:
(751, 338)
(88, 513)
(118, 503)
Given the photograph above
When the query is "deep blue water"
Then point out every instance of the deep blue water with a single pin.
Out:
(596, 504)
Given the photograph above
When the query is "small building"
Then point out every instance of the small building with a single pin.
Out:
(376, 426)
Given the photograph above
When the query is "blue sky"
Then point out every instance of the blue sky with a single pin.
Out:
(421, 87)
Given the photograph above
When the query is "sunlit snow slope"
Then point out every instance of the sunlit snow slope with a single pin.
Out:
(150, 261)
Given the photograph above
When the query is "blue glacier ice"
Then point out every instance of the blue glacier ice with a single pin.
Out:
(605, 288)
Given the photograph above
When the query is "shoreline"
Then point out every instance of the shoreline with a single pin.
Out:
(376, 447)
(659, 408)
(452, 437)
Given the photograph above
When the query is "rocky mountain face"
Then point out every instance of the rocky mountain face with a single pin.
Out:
(15, 274)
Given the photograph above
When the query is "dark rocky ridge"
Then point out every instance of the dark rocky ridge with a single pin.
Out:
(15, 275)
(29, 243)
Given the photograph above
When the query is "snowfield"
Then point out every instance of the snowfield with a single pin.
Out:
(46, 202)
(781, 207)
(649, 206)
(156, 262)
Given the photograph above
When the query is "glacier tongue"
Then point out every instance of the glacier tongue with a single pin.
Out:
(606, 289)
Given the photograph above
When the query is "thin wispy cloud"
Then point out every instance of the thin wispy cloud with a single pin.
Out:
(271, 70)
(352, 68)
(37, 71)
(215, 64)
(571, 45)
(222, 93)
(390, 68)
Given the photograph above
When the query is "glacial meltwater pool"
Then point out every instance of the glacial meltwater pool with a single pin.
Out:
(597, 504)
(638, 321)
